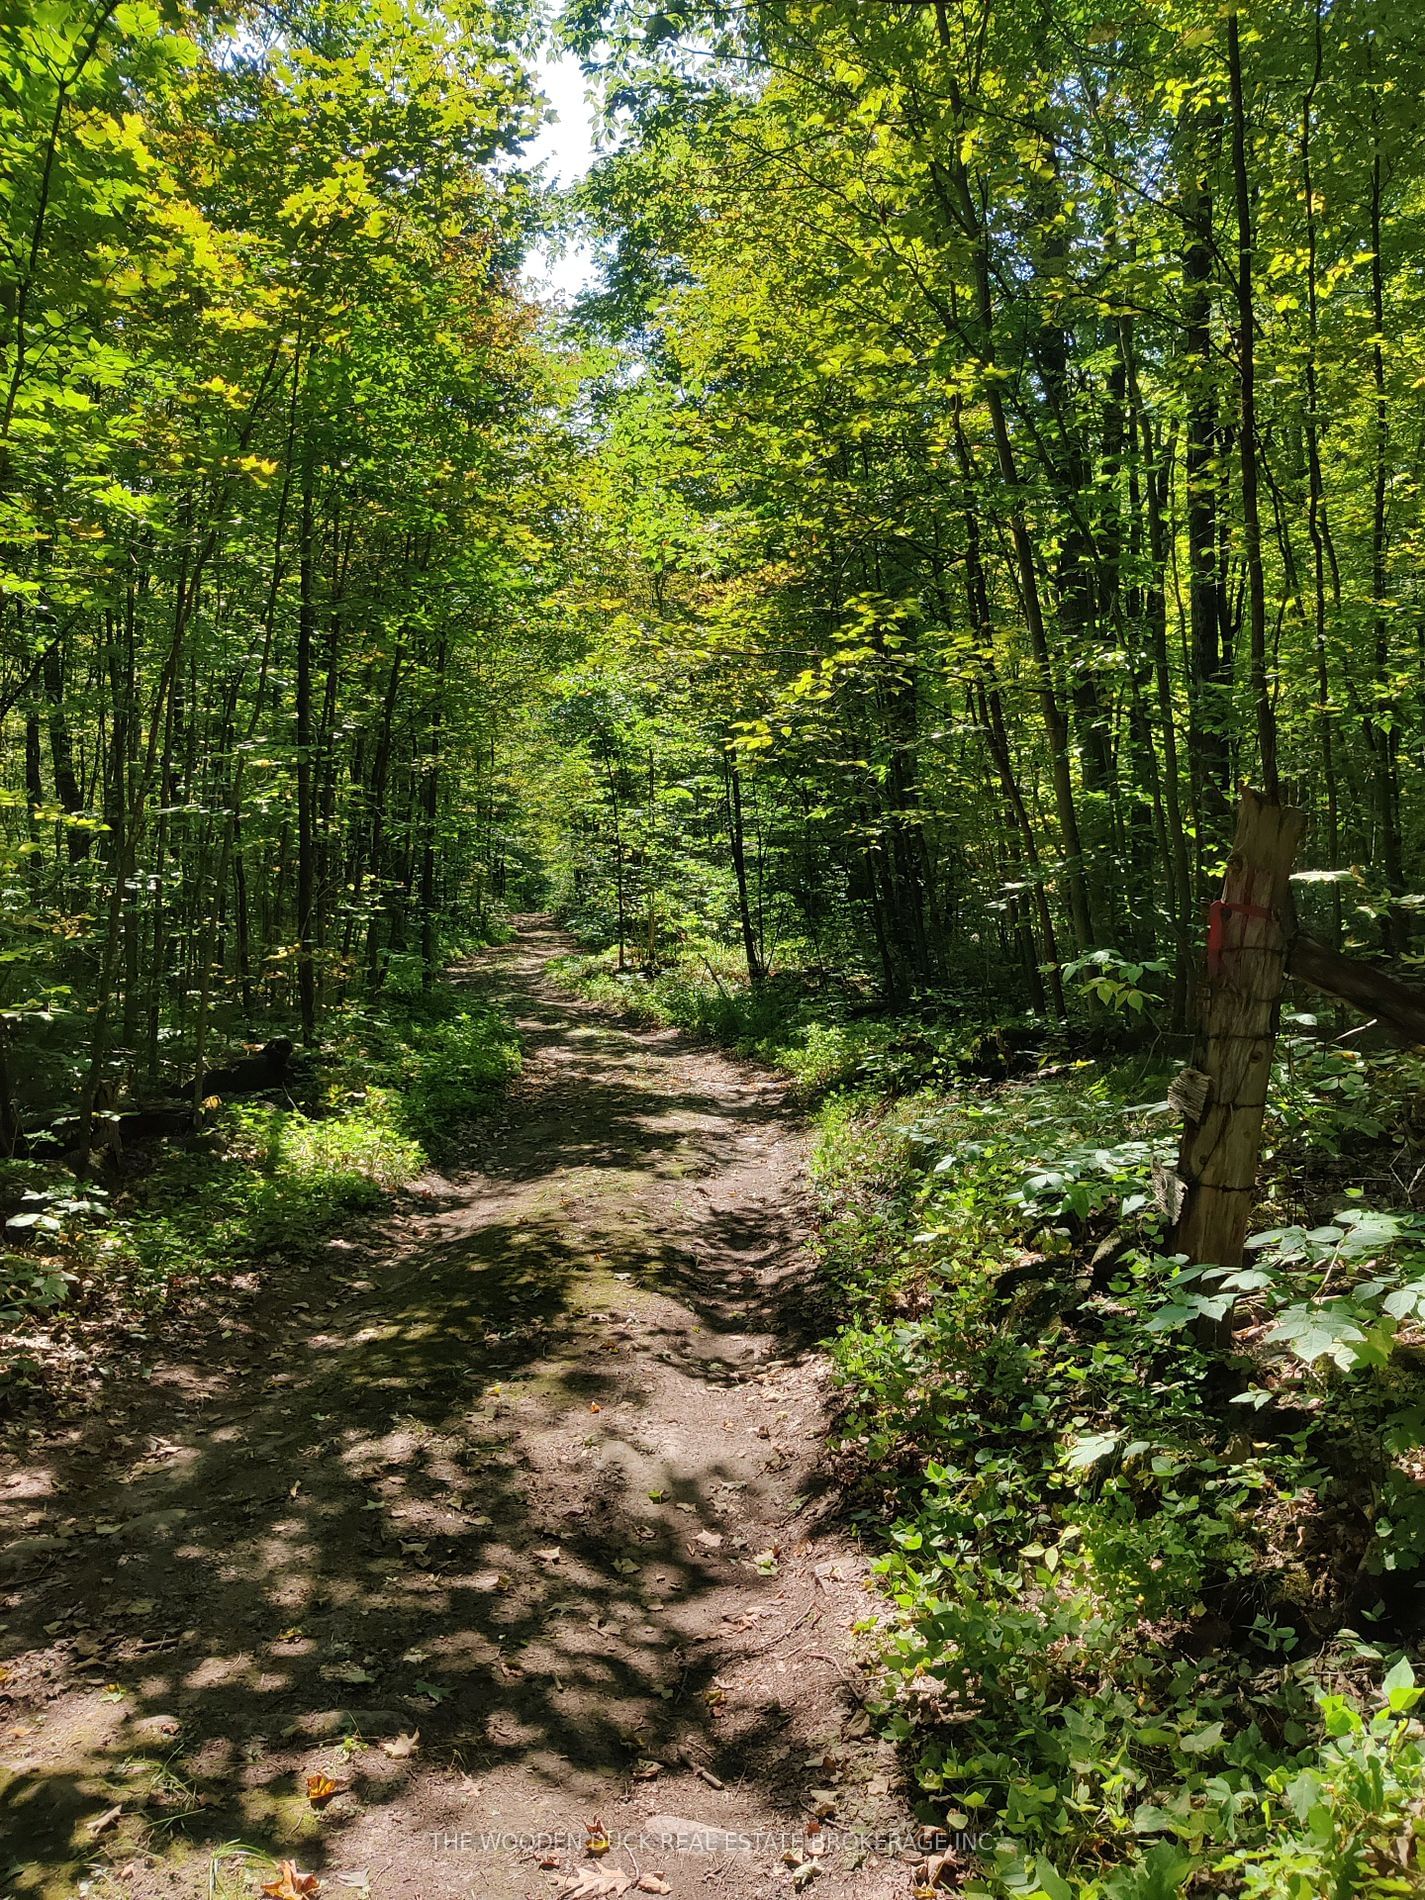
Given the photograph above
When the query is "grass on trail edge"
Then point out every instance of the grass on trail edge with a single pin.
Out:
(820, 1038)
(1149, 1615)
(93, 1271)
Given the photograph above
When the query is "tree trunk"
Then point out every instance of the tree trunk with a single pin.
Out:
(306, 860)
(430, 816)
(733, 778)
(1247, 938)
(1247, 378)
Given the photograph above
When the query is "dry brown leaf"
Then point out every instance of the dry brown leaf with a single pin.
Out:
(321, 1789)
(595, 1883)
(401, 1746)
(653, 1883)
(647, 1769)
(289, 1884)
(934, 1869)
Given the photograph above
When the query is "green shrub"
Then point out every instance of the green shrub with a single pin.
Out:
(1098, 1574)
(397, 1084)
(820, 1038)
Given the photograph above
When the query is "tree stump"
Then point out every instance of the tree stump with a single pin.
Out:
(1246, 961)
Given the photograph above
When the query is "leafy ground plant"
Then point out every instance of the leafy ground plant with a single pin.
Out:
(394, 1091)
(1124, 1597)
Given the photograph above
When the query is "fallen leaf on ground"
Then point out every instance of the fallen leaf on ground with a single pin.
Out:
(289, 1884)
(346, 1672)
(401, 1746)
(929, 1873)
(647, 1770)
(595, 1883)
(322, 1788)
(626, 1565)
(653, 1883)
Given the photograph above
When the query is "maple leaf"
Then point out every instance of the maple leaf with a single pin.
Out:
(289, 1884)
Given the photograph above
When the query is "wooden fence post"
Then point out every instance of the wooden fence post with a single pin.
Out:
(1224, 1100)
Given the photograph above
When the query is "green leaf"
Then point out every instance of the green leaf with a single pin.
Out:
(1399, 1687)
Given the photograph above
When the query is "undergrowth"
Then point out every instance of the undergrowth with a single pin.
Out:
(265, 1180)
(1141, 1597)
(821, 1037)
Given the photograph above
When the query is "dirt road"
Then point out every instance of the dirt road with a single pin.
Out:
(511, 1516)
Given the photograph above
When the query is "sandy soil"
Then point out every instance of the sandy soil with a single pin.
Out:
(530, 1472)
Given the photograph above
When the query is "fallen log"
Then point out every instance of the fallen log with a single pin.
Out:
(249, 1075)
(268, 1068)
(1398, 1007)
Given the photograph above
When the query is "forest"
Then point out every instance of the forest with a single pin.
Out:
(932, 623)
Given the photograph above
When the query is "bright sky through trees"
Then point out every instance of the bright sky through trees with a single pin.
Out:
(559, 269)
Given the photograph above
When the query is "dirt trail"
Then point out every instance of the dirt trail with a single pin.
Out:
(532, 1469)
